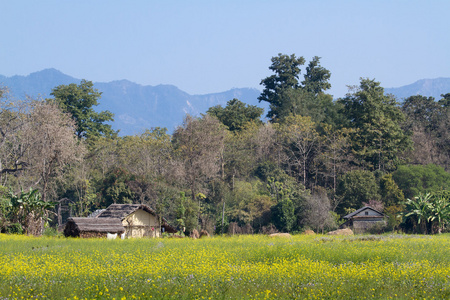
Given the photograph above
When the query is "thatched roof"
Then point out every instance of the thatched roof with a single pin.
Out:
(121, 211)
(96, 213)
(75, 226)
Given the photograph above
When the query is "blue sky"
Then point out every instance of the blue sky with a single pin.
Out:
(212, 46)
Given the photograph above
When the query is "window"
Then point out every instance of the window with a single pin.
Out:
(366, 213)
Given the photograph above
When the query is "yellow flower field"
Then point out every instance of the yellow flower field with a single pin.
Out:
(244, 267)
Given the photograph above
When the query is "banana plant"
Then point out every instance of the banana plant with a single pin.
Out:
(419, 208)
(440, 210)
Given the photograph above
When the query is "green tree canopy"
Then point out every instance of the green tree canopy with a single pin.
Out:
(79, 100)
(356, 187)
(378, 139)
(416, 179)
(287, 96)
(236, 115)
(287, 70)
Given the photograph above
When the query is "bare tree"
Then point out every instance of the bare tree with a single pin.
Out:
(317, 213)
(12, 150)
(51, 144)
(300, 139)
(199, 143)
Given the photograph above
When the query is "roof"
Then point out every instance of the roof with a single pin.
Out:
(121, 211)
(96, 213)
(110, 225)
(362, 209)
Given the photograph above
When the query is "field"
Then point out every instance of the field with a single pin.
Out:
(243, 267)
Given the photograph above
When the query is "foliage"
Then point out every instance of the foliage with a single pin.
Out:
(287, 96)
(283, 212)
(317, 213)
(79, 100)
(199, 144)
(25, 211)
(431, 212)
(300, 140)
(115, 188)
(356, 187)
(391, 194)
(236, 115)
(378, 140)
(416, 179)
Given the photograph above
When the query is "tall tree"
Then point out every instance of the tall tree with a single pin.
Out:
(287, 70)
(199, 143)
(316, 77)
(334, 156)
(300, 139)
(53, 144)
(79, 100)
(287, 96)
(378, 140)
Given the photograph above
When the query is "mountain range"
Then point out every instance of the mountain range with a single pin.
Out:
(138, 107)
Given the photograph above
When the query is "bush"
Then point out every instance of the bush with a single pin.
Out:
(14, 228)
(51, 231)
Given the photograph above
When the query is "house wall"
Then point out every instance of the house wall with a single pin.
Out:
(363, 226)
(141, 224)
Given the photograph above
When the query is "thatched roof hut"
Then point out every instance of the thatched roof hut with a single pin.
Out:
(124, 212)
(92, 227)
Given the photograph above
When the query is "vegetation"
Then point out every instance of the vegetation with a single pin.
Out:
(244, 267)
(313, 162)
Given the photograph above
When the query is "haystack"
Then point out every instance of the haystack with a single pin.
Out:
(346, 231)
(194, 234)
(285, 235)
(204, 233)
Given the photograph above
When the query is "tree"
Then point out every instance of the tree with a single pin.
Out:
(79, 100)
(391, 194)
(316, 77)
(416, 179)
(199, 142)
(52, 144)
(236, 115)
(317, 212)
(287, 96)
(334, 156)
(300, 139)
(378, 140)
(285, 79)
(423, 120)
(13, 148)
(283, 214)
(356, 187)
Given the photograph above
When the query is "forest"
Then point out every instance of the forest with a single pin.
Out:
(304, 164)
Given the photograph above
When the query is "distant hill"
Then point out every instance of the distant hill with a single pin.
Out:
(425, 87)
(136, 107)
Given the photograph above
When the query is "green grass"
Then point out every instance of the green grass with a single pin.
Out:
(245, 267)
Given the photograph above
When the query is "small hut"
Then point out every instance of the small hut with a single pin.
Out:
(92, 227)
(139, 220)
(363, 219)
